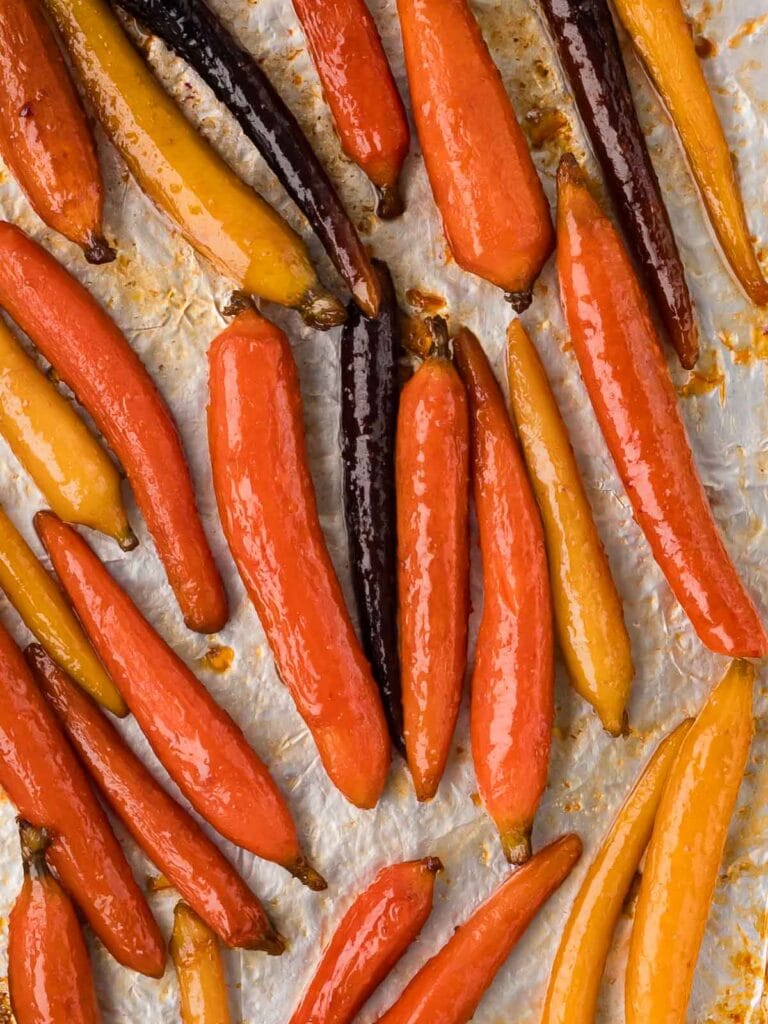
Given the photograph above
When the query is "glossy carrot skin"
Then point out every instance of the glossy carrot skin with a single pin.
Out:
(49, 971)
(432, 484)
(169, 836)
(449, 987)
(47, 785)
(360, 90)
(635, 404)
(591, 57)
(93, 358)
(44, 135)
(369, 940)
(200, 746)
(269, 513)
(574, 984)
(199, 969)
(513, 678)
(370, 388)
(683, 860)
(198, 35)
(494, 210)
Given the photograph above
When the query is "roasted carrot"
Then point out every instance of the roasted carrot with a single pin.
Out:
(49, 971)
(432, 484)
(368, 941)
(359, 88)
(628, 383)
(513, 678)
(218, 214)
(46, 613)
(47, 785)
(269, 513)
(574, 984)
(684, 855)
(162, 828)
(663, 39)
(75, 475)
(591, 57)
(494, 211)
(45, 140)
(200, 746)
(449, 987)
(93, 358)
(199, 968)
(588, 615)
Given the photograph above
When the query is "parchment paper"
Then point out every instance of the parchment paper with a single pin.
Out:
(166, 301)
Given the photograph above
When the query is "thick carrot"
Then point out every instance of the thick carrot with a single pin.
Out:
(172, 839)
(269, 513)
(44, 135)
(49, 972)
(360, 90)
(368, 941)
(513, 678)
(625, 374)
(91, 356)
(200, 746)
(432, 482)
(449, 987)
(493, 207)
(47, 785)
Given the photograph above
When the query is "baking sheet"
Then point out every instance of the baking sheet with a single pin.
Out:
(167, 301)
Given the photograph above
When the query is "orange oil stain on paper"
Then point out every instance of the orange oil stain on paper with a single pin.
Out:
(543, 126)
(707, 377)
(158, 883)
(755, 351)
(217, 658)
(746, 30)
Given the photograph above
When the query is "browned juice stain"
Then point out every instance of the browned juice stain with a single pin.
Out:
(217, 658)
(6, 1014)
(747, 29)
(705, 48)
(425, 302)
(545, 125)
(707, 377)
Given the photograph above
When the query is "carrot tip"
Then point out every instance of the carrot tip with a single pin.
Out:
(519, 301)
(389, 201)
(569, 172)
(127, 539)
(320, 309)
(272, 944)
(616, 725)
(516, 844)
(237, 303)
(306, 874)
(34, 841)
(97, 251)
(433, 865)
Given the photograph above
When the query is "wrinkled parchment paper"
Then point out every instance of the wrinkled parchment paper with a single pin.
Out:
(166, 300)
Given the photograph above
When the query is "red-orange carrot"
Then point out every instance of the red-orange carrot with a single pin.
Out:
(369, 940)
(200, 746)
(92, 357)
(268, 510)
(617, 346)
(47, 785)
(493, 207)
(432, 479)
(162, 828)
(449, 987)
(360, 90)
(513, 678)
(44, 135)
(49, 972)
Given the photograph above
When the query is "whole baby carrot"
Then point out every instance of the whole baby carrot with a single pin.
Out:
(200, 746)
(618, 350)
(47, 785)
(513, 679)
(494, 210)
(432, 478)
(360, 90)
(49, 971)
(269, 513)
(449, 987)
(368, 941)
(44, 135)
(162, 828)
(93, 358)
